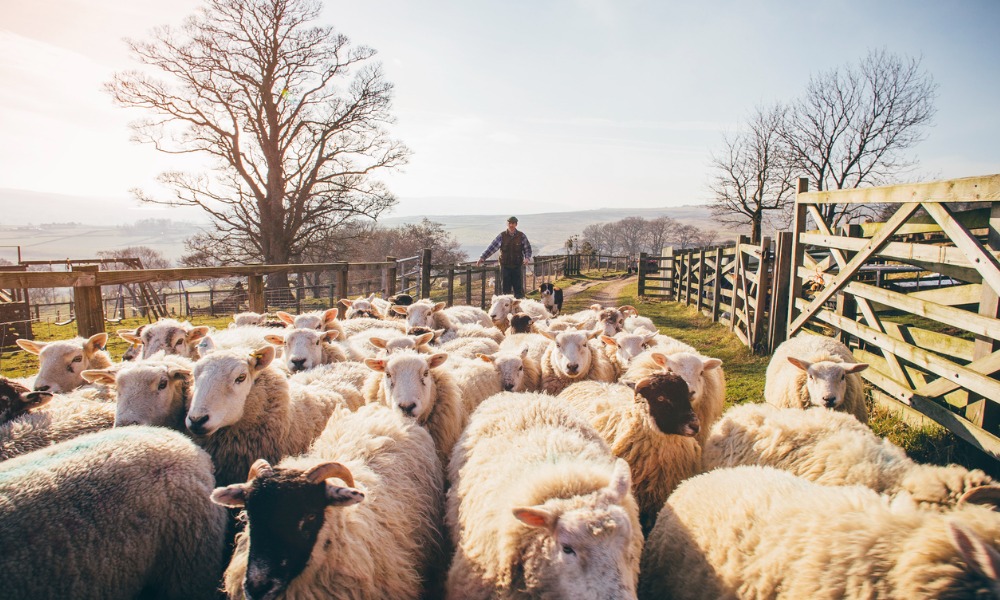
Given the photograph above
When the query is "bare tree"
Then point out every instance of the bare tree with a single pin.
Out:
(632, 234)
(753, 180)
(853, 125)
(292, 115)
(657, 233)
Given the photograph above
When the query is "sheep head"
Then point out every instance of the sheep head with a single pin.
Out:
(628, 345)
(407, 381)
(669, 403)
(286, 509)
(172, 337)
(303, 347)
(826, 380)
(510, 365)
(61, 363)
(572, 355)
(500, 307)
(222, 383)
(690, 366)
(520, 322)
(155, 392)
(16, 399)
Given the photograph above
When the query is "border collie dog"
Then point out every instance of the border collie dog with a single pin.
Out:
(552, 298)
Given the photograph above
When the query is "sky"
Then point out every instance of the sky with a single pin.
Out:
(515, 106)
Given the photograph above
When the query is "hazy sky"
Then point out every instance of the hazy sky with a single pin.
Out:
(525, 106)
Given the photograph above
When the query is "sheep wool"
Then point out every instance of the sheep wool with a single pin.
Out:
(758, 532)
(111, 515)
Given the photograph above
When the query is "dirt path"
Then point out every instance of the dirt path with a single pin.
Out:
(608, 295)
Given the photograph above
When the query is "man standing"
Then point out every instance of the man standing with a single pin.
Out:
(515, 252)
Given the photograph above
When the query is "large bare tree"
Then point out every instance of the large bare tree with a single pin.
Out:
(293, 116)
(853, 126)
(752, 183)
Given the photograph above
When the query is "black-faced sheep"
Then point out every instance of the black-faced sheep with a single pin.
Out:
(417, 385)
(119, 514)
(539, 508)
(757, 532)
(243, 409)
(16, 399)
(366, 526)
(650, 427)
(60, 363)
(520, 323)
(812, 370)
(572, 356)
(832, 448)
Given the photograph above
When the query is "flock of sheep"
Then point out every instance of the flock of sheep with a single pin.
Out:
(409, 450)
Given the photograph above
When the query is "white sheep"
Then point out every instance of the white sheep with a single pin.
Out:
(60, 363)
(155, 391)
(395, 343)
(572, 357)
(585, 319)
(305, 349)
(361, 307)
(119, 514)
(71, 415)
(320, 320)
(244, 409)
(625, 346)
(501, 307)
(475, 330)
(704, 377)
(539, 508)
(518, 371)
(357, 325)
(477, 379)
(536, 344)
(758, 532)
(169, 336)
(634, 322)
(424, 313)
(245, 319)
(365, 526)
(16, 399)
(345, 378)
(650, 427)
(416, 385)
(247, 337)
(812, 370)
(469, 347)
(831, 448)
(611, 320)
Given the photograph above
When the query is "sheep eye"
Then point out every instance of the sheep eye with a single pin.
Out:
(178, 342)
(78, 359)
(843, 376)
(163, 385)
(520, 368)
(388, 376)
(568, 550)
(241, 378)
(317, 342)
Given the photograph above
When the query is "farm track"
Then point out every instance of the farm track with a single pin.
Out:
(607, 295)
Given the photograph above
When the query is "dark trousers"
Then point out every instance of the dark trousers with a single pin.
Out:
(513, 281)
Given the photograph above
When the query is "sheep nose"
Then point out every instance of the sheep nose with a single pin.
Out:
(508, 387)
(257, 588)
(572, 368)
(298, 364)
(42, 388)
(407, 408)
(197, 424)
(829, 401)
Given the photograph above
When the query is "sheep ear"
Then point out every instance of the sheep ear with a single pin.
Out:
(346, 302)
(331, 335)
(104, 376)
(484, 357)
(178, 373)
(524, 352)
(799, 363)
(32, 346)
(980, 557)
(549, 334)
(331, 314)
(609, 341)
(197, 333)
(260, 358)
(535, 517)
(285, 317)
(129, 336)
(95, 343)
(436, 360)
(206, 345)
(515, 305)
(855, 368)
(660, 359)
(649, 337)
(984, 495)
(425, 338)
(711, 363)
(36, 399)
(277, 340)
(377, 342)
(592, 334)
(231, 496)
(630, 384)
(439, 306)
(375, 364)
(399, 310)
(337, 495)
(620, 482)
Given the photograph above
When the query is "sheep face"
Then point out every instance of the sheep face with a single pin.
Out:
(403, 342)
(669, 404)
(511, 369)
(222, 382)
(362, 307)
(247, 318)
(520, 323)
(15, 399)
(407, 381)
(690, 367)
(60, 364)
(303, 347)
(581, 545)
(628, 345)
(610, 321)
(826, 381)
(149, 393)
(286, 509)
(172, 337)
(572, 355)
(421, 314)
(317, 320)
(501, 307)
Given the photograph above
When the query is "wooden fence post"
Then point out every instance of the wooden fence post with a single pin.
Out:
(985, 412)
(687, 277)
(737, 283)
(342, 274)
(763, 287)
(778, 326)
(425, 273)
(451, 285)
(390, 276)
(255, 294)
(89, 307)
(642, 274)
(717, 285)
(468, 286)
(798, 252)
(701, 279)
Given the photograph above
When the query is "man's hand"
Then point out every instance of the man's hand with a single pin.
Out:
(527, 261)
(479, 262)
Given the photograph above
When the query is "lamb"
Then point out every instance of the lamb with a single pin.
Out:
(539, 508)
(832, 448)
(16, 400)
(320, 320)
(571, 358)
(436, 316)
(308, 348)
(60, 363)
(72, 415)
(518, 371)
(369, 522)
(624, 346)
(612, 320)
(155, 392)
(811, 370)
(703, 376)
(416, 385)
(244, 409)
(118, 514)
(362, 307)
(501, 307)
(169, 336)
(651, 427)
(758, 532)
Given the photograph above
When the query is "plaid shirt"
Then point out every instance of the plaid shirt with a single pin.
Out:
(492, 248)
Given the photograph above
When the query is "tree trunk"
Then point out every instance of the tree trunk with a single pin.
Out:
(755, 227)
